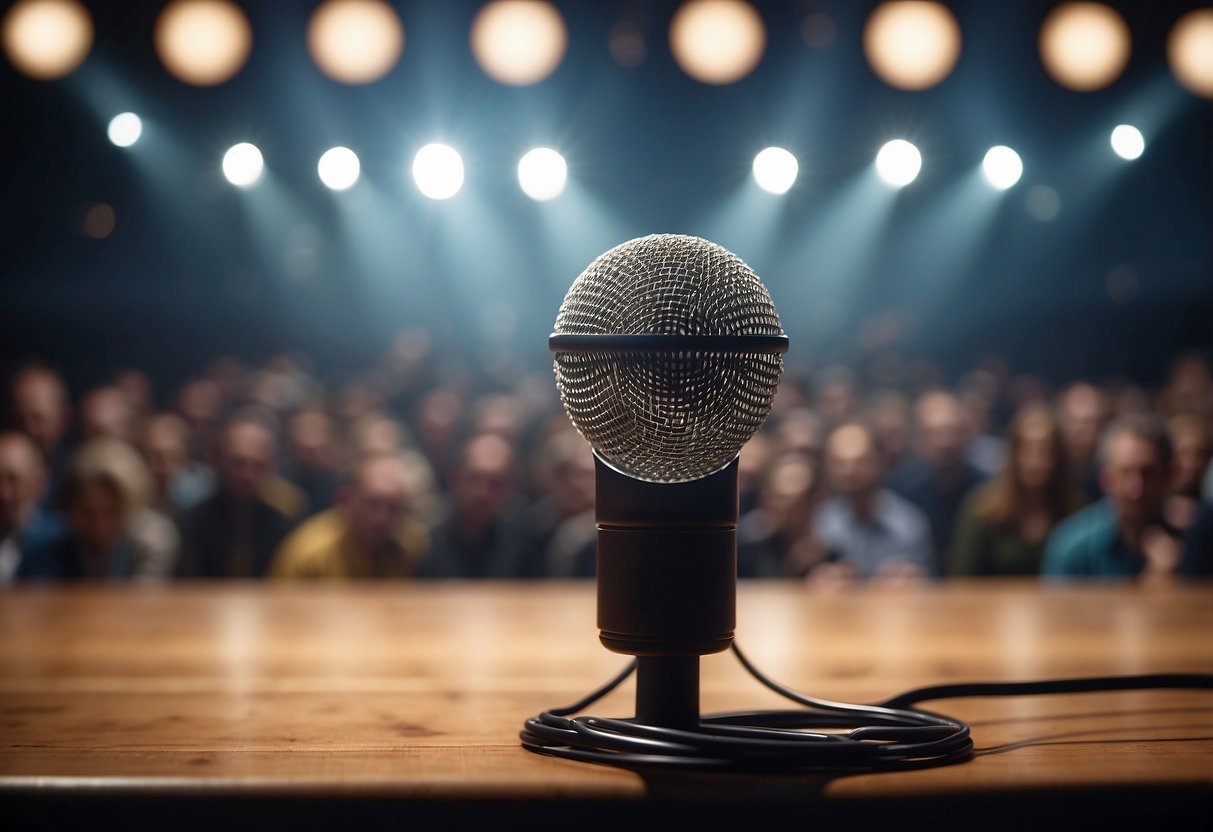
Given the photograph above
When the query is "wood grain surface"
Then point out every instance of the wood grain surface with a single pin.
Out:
(419, 690)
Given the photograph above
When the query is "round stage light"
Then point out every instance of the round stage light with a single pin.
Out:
(99, 221)
(1190, 51)
(519, 42)
(898, 163)
(355, 41)
(1002, 167)
(339, 168)
(1084, 46)
(203, 42)
(47, 39)
(1128, 142)
(438, 171)
(124, 129)
(912, 45)
(717, 41)
(242, 164)
(775, 170)
(542, 174)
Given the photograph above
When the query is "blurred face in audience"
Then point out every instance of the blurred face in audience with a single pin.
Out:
(246, 459)
(21, 480)
(1190, 438)
(851, 462)
(311, 440)
(40, 408)
(1036, 454)
(165, 446)
(1082, 416)
(374, 505)
(787, 493)
(105, 413)
(97, 516)
(943, 430)
(1133, 476)
(484, 479)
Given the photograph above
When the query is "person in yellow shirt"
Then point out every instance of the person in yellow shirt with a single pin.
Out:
(367, 534)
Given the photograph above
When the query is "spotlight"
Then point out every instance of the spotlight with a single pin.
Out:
(47, 39)
(203, 42)
(912, 45)
(339, 168)
(355, 41)
(1002, 167)
(542, 173)
(438, 171)
(242, 164)
(717, 41)
(898, 163)
(1128, 142)
(519, 42)
(1190, 51)
(124, 129)
(775, 170)
(1084, 46)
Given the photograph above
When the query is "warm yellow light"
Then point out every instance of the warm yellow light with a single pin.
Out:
(1084, 46)
(203, 42)
(519, 42)
(47, 39)
(1190, 51)
(717, 41)
(355, 41)
(912, 45)
(99, 221)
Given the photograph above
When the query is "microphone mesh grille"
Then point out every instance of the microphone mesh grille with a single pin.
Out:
(668, 416)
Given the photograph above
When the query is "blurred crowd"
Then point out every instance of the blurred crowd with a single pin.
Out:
(428, 465)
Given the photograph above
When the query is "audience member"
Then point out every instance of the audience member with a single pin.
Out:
(28, 530)
(235, 532)
(888, 413)
(1082, 412)
(940, 476)
(561, 521)
(41, 410)
(181, 483)
(1004, 523)
(311, 458)
(752, 464)
(837, 397)
(105, 413)
(1124, 534)
(201, 405)
(867, 531)
(1192, 440)
(112, 531)
(368, 534)
(775, 540)
(482, 538)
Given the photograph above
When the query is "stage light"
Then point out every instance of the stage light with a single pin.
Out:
(519, 42)
(99, 221)
(355, 41)
(47, 39)
(1190, 51)
(438, 171)
(1002, 167)
(912, 45)
(898, 163)
(1128, 142)
(1084, 46)
(242, 164)
(339, 168)
(542, 174)
(203, 42)
(775, 170)
(124, 129)
(717, 41)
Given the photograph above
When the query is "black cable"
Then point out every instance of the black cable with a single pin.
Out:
(884, 737)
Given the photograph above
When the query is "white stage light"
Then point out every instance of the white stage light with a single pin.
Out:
(775, 170)
(242, 164)
(1128, 142)
(542, 173)
(339, 168)
(438, 171)
(1002, 167)
(898, 163)
(124, 129)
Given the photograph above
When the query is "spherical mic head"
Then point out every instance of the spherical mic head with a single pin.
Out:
(679, 410)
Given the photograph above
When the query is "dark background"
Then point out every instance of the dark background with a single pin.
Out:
(946, 269)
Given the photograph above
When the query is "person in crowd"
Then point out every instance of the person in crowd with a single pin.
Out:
(888, 412)
(752, 464)
(367, 534)
(112, 531)
(837, 395)
(564, 474)
(235, 532)
(1192, 440)
(199, 402)
(1123, 535)
(312, 458)
(978, 392)
(140, 394)
(799, 431)
(1004, 523)
(1083, 412)
(437, 422)
(28, 530)
(940, 477)
(105, 413)
(41, 409)
(775, 539)
(484, 536)
(181, 483)
(868, 532)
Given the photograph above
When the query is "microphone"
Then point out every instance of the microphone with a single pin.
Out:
(668, 355)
